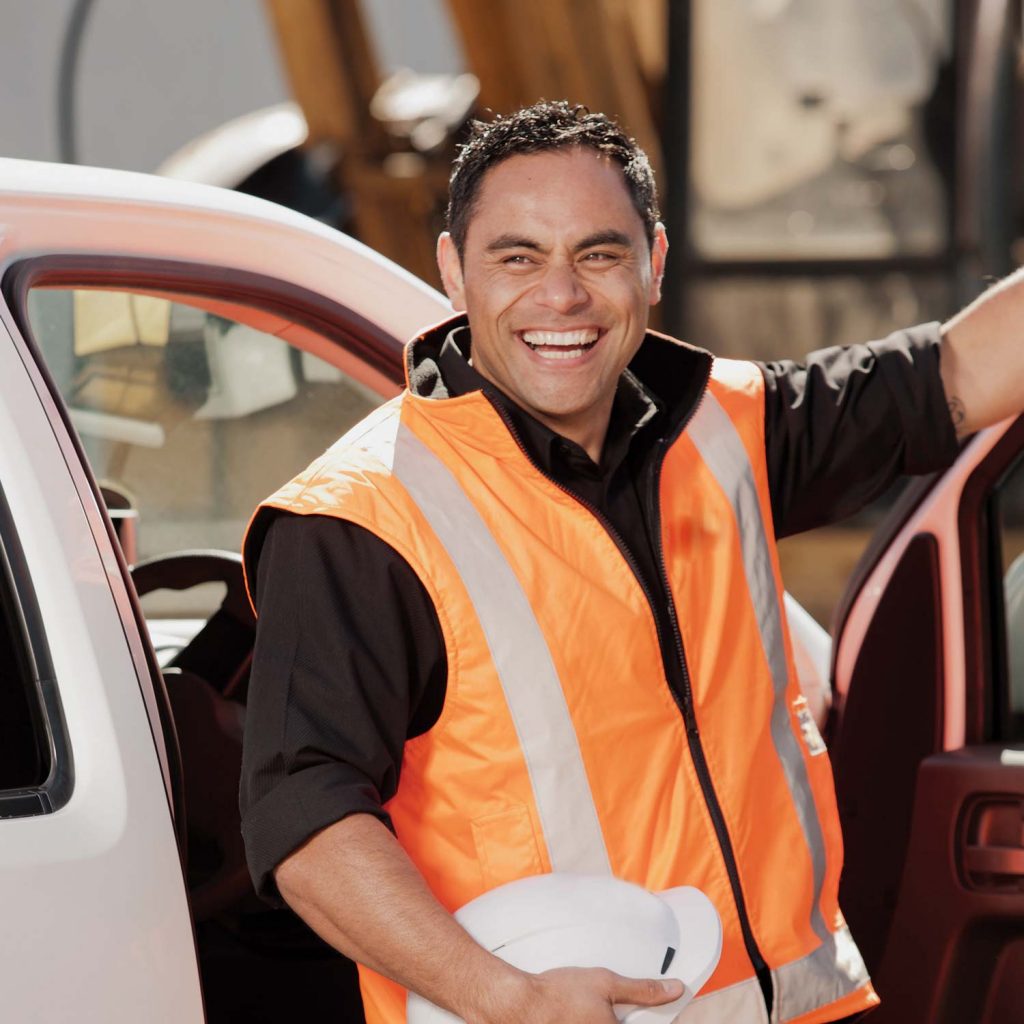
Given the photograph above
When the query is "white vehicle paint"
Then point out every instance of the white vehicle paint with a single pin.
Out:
(97, 924)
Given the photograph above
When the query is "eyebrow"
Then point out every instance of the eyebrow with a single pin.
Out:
(513, 242)
(608, 236)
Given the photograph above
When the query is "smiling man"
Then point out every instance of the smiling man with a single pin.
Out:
(527, 616)
(559, 305)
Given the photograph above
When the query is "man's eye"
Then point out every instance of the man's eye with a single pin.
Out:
(517, 260)
(600, 257)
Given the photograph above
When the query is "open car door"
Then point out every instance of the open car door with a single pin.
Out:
(169, 354)
(96, 923)
(927, 743)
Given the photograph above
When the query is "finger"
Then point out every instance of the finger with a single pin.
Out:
(644, 991)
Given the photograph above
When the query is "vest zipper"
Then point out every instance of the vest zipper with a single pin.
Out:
(700, 764)
(684, 701)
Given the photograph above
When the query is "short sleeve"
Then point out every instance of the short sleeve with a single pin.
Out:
(846, 422)
(349, 662)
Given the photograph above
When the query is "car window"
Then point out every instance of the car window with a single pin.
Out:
(24, 756)
(811, 131)
(1010, 499)
(36, 773)
(187, 417)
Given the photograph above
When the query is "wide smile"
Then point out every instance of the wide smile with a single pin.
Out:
(561, 345)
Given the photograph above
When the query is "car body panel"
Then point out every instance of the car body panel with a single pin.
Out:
(96, 919)
(930, 794)
(937, 515)
(54, 209)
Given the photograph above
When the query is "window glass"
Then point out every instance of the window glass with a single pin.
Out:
(815, 129)
(1011, 515)
(770, 317)
(24, 758)
(188, 418)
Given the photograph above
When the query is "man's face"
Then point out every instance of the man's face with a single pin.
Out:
(557, 279)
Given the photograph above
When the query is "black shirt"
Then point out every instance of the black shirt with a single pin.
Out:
(350, 660)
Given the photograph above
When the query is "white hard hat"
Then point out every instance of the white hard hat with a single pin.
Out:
(566, 920)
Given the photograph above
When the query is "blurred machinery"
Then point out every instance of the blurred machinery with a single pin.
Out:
(828, 169)
(793, 139)
(390, 138)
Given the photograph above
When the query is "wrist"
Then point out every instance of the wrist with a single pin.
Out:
(496, 995)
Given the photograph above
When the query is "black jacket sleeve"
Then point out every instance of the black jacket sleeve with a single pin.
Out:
(841, 426)
(349, 663)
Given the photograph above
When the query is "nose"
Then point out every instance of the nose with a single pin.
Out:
(561, 289)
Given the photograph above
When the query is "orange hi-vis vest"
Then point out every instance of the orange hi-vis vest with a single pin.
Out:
(560, 746)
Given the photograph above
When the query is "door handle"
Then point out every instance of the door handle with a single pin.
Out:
(991, 846)
(994, 860)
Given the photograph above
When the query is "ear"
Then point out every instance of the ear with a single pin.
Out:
(450, 265)
(659, 253)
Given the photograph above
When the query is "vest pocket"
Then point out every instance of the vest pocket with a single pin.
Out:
(506, 846)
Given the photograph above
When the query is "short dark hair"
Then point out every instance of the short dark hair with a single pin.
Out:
(546, 126)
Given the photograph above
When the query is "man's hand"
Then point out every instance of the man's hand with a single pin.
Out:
(570, 995)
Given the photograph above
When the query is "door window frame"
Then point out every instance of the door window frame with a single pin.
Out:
(324, 320)
(338, 325)
(985, 649)
(25, 625)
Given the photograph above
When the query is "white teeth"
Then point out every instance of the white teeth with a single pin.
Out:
(561, 339)
(559, 353)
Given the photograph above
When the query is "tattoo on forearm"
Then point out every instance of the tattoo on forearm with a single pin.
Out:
(958, 414)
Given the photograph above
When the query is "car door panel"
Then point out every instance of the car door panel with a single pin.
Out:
(891, 717)
(960, 919)
(235, 259)
(96, 885)
(931, 804)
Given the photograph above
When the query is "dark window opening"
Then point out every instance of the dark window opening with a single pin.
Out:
(24, 754)
(1007, 559)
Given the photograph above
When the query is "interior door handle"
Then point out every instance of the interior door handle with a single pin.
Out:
(994, 860)
(991, 846)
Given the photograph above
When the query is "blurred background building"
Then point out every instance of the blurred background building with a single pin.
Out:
(831, 169)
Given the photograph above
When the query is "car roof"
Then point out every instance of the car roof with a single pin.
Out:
(280, 240)
(40, 178)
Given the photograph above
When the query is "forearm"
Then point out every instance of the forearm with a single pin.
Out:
(355, 886)
(983, 357)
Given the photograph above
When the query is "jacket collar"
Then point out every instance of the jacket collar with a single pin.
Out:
(672, 373)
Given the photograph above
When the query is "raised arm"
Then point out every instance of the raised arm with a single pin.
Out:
(982, 360)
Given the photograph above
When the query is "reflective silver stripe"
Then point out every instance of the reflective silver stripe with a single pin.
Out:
(832, 971)
(742, 1003)
(835, 969)
(821, 978)
(721, 448)
(521, 657)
